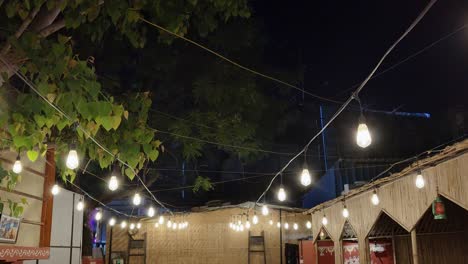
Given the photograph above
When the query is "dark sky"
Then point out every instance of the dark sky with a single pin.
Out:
(340, 42)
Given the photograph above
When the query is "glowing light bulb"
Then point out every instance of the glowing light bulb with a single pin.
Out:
(241, 228)
(137, 199)
(174, 226)
(271, 222)
(420, 181)
(138, 225)
(55, 189)
(80, 205)
(17, 166)
(322, 235)
(113, 183)
(247, 224)
(324, 220)
(98, 216)
(281, 194)
(123, 224)
(255, 219)
(132, 226)
(363, 136)
(161, 220)
(230, 225)
(306, 180)
(375, 198)
(156, 225)
(286, 226)
(278, 224)
(265, 210)
(150, 212)
(295, 226)
(309, 225)
(169, 223)
(345, 212)
(72, 159)
(112, 221)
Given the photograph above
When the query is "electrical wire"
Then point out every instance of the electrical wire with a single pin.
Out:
(56, 108)
(238, 64)
(355, 93)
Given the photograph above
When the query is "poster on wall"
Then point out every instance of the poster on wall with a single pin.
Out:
(9, 228)
(350, 252)
(381, 251)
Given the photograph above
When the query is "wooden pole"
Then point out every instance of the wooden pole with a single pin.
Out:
(48, 199)
(414, 246)
(363, 247)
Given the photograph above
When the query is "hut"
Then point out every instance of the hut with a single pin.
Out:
(416, 219)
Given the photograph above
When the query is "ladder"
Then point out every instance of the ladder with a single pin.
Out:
(258, 243)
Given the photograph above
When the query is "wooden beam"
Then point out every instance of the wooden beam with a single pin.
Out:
(414, 246)
(364, 252)
(48, 199)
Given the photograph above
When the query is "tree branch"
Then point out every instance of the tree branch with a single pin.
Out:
(22, 28)
(46, 17)
(51, 29)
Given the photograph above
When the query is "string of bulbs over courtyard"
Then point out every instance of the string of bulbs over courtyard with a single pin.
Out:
(238, 222)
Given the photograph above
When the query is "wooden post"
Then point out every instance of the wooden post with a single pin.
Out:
(414, 246)
(364, 253)
(48, 199)
(338, 251)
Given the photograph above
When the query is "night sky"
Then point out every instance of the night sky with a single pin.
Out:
(341, 41)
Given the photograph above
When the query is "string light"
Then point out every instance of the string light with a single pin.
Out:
(281, 194)
(286, 225)
(271, 222)
(241, 228)
(80, 205)
(169, 223)
(112, 221)
(156, 225)
(137, 199)
(150, 212)
(375, 198)
(278, 224)
(72, 158)
(345, 212)
(295, 226)
(324, 220)
(265, 210)
(255, 219)
(247, 223)
(98, 215)
(138, 225)
(306, 180)
(132, 226)
(420, 180)
(174, 226)
(55, 190)
(161, 220)
(123, 224)
(17, 166)
(308, 225)
(363, 136)
(113, 183)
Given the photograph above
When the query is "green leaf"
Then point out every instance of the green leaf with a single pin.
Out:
(32, 155)
(105, 121)
(153, 155)
(129, 173)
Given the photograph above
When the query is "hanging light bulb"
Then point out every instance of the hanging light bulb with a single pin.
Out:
(174, 226)
(241, 228)
(55, 189)
(132, 226)
(309, 225)
(286, 225)
(363, 136)
(137, 199)
(324, 220)
(138, 225)
(123, 224)
(322, 235)
(255, 219)
(156, 225)
(345, 212)
(150, 212)
(271, 222)
(281, 194)
(112, 221)
(169, 223)
(420, 180)
(278, 224)
(375, 198)
(80, 205)
(72, 159)
(161, 220)
(113, 183)
(265, 210)
(306, 180)
(295, 226)
(98, 216)
(17, 166)
(247, 224)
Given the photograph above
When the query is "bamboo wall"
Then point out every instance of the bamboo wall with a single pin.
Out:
(208, 239)
(30, 187)
(400, 199)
